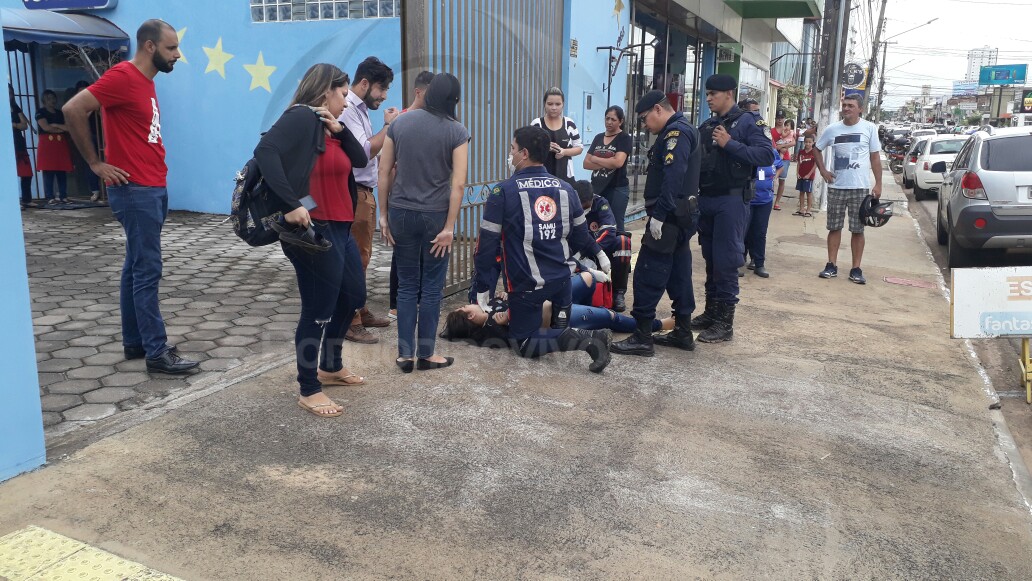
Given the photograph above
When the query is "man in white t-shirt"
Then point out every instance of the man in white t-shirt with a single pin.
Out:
(854, 149)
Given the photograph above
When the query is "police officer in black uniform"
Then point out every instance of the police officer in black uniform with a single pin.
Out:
(665, 260)
(734, 144)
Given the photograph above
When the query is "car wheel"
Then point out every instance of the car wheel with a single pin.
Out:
(957, 256)
(941, 236)
(907, 183)
(920, 193)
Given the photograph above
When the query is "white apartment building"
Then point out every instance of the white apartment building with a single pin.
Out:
(978, 58)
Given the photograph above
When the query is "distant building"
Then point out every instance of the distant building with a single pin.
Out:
(978, 58)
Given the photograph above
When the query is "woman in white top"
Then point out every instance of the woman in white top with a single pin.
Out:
(565, 138)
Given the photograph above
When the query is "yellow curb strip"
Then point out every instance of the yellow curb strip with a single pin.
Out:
(37, 554)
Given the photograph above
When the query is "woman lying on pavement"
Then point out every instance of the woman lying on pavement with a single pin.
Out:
(491, 328)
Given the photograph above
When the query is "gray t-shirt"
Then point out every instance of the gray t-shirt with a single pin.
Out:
(847, 153)
(423, 146)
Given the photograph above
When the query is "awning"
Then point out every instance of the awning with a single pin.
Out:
(23, 27)
(775, 8)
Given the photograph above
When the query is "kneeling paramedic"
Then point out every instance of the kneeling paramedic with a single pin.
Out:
(665, 259)
(734, 144)
(537, 222)
(616, 244)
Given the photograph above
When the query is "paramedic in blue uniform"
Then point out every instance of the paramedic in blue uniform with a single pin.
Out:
(536, 222)
(665, 259)
(617, 245)
(734, 144)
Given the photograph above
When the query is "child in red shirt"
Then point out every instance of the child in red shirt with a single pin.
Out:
(807, 169)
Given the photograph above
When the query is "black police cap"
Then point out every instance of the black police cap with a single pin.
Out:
(650, 100)
(721, 83)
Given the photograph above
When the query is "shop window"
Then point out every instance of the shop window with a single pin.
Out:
(303, 10)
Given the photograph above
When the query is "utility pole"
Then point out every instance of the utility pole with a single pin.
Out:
(833, 49)
(873, 66)
(881, 80)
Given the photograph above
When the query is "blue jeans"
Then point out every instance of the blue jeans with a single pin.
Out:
(618, 198)
(332, 287)
(420, 285)
(585, 316)
(62, 184)
(141, 210)
(756, 234)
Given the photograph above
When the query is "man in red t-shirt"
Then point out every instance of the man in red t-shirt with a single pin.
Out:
(135, 176)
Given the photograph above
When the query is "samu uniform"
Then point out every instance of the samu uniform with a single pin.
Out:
(617, 245)
(725, 190)
(665, 265)
(537, 223)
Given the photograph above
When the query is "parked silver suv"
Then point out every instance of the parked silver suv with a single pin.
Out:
(985, 201)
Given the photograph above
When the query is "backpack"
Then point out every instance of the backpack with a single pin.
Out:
(252, 210)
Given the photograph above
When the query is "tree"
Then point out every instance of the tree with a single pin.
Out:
(792, 98)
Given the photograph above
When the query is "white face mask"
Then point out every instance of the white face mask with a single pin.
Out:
(512, 168)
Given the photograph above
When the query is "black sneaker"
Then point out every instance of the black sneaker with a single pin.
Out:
(830, 271)
(170, 363)
(856, 275)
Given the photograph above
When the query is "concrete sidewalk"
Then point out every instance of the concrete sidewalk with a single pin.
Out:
(842, 434)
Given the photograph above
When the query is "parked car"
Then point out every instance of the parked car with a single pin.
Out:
(910, 163)
(938, 148)
(985, 201)
(923, 133)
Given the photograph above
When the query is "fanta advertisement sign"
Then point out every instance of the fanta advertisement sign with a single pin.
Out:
(69, 4)
(1026, 102)
(991, 302)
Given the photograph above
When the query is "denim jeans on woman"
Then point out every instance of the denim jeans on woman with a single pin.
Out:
(618, 198)
(419, 285)
(141, 210)
(332, 287)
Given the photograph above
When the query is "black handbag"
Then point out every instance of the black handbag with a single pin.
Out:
(254, 207)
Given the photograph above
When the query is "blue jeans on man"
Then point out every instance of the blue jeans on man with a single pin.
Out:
(141, 210)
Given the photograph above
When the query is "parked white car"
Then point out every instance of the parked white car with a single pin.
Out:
(939, 148)
(923, 133)
(910, 162)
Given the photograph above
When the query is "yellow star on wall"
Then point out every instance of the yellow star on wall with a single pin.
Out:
(217, 59)
(260, 73)
(182, 55)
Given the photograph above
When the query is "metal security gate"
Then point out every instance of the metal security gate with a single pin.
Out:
(506, 54)
(21, 71)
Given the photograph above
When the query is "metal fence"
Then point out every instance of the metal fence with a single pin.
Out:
(467, 231)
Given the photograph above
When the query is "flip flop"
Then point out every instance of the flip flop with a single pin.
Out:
(807, 215)
(334, 379)
(778, 208)
(314, 409)
(797, 213)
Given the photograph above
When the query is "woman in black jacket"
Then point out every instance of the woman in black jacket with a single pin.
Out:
(307, 158)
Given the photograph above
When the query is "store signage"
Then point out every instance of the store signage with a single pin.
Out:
(991, 302)
(1026, 101)
(854, 76)
(69, 4)
(1002, 75)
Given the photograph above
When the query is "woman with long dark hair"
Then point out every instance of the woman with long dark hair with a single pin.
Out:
(307, 160)
(418, 208)
(607, 160)
(563, 134)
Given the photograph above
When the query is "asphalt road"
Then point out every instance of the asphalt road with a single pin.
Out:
(999, 357)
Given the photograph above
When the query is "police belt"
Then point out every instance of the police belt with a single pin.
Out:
(712, 193)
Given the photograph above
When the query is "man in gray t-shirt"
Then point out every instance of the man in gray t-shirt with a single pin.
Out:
(853, 147)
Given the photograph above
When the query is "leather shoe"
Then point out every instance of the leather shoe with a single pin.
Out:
(423, 364)
(761, 272)
(619, 302)
(359, 334)
(170, 363)
(139, 353)
(371, 320)
(405, 365)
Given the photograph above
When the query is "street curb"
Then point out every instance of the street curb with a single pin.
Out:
(1019, 470)
(62, 444)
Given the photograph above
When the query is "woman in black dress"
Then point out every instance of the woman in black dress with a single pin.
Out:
(566, 139)
(607, 160)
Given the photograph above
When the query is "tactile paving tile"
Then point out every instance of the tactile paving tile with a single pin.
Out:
(36, 554)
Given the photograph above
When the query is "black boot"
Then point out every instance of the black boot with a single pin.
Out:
(681, 337)
(596, 343)
(639, 343)
(707, 318)
(723, 328)
(619, 302)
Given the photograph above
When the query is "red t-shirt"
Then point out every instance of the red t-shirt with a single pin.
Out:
(132, 124)
(776, 136)
(807, 163)
(328, 184)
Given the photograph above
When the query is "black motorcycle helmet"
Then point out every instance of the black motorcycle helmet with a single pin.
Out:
(874, 212)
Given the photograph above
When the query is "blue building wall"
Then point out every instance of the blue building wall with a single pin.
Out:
(595, 23)
(21, 421)
(210, 123)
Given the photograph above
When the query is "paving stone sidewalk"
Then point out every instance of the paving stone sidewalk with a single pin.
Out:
(223, 303)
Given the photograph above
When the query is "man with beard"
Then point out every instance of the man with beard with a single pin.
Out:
(368, 90)
(135, 173)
